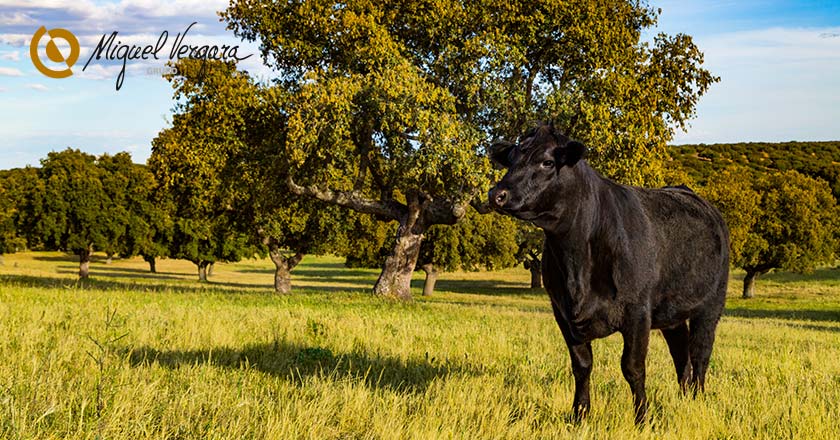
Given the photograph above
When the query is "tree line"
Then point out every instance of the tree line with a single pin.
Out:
(371, 140)
(79, 203)
(779, 201)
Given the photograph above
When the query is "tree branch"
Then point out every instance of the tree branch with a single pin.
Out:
(441, 211)
(409, 137)
(481, 206)
(294, 259)
(349, 199)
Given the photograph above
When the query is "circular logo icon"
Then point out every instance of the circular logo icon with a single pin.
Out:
(53, 53)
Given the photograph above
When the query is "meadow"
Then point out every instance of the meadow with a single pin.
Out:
(130, 355)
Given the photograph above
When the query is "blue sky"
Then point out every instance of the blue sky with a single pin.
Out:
(779, 63)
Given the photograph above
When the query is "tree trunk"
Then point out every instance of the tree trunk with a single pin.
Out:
(152, 265)
(283, 269)
(202, 271)
(749, 284)
(109, 258)
(431, 278)
(395, 279)
(84, 263)
(210, 269)
(535, 266)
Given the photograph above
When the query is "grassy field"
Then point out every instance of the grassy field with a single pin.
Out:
(134, 355)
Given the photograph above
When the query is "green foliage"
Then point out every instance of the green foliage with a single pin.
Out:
(529, 242)
(9, 239)
(368, 241)
(74, 202)
(115, 175)
(20, 197)
(229, 132)
(187, 158)
(390, 104)
(24, 194)
(78, 203)
(403, 94)
(780, 220)
(815, 159)
(731, 190)
(479, 241)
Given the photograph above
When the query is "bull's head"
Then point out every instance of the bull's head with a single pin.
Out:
(540, 176)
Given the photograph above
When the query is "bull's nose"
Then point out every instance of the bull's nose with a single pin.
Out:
(498, 197)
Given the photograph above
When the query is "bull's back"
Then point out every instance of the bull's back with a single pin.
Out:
(692, 243)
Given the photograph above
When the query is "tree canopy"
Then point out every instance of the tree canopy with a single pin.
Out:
(21, 198)
(779, 220)
(390, 104)
(231, 133)
(815, 159)
(73, 205)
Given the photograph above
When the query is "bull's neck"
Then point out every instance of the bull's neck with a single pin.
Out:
(580, 224)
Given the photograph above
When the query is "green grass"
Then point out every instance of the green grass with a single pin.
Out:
(133, 355)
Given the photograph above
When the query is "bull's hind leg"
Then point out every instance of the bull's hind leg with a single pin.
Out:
(701, 338)
(677, 339)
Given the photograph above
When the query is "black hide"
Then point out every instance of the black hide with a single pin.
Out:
(618, 259)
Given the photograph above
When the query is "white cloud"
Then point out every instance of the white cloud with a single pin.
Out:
(39, 87)
(10, 56)
(15, 40)
(15, 18)
(772, 46)
(10, 71)
(86, 16)
(167, 8)
(3, 89)
(97, 71)
(777, 84)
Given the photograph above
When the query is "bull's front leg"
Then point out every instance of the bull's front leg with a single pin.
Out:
(636, 335)
(581, 356)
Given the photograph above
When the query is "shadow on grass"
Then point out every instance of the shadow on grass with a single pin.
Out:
(325, 272)
(126, 272)
(819, 275)
(295, 363)
(71, 258)
(482, 287)
(364, 279)
(798, 315)
(102, 284)
(184, 285)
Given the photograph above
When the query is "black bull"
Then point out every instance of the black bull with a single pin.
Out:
(618, 259)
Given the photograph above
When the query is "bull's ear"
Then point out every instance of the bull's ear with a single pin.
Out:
(570, 153)
(500, 153)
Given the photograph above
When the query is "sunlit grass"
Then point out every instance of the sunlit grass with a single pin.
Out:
(482, 358)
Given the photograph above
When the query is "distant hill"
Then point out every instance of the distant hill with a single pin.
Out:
(816, 159)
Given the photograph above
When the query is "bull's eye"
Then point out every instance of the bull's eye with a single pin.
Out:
(548, 164)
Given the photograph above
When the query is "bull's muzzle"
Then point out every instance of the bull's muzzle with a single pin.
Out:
(498, 197)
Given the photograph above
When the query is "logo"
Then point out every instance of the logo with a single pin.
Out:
(111, 51)
(53, 53)
(110, 48)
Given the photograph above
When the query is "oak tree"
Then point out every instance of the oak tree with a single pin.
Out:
(392, 103)
(777, 220)
(229, 130)
(74, 200)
